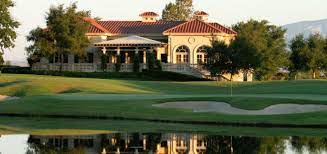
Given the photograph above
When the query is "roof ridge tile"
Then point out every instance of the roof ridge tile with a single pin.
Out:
(94, 23)
(193, 27)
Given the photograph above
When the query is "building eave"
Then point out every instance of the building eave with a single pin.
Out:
(198, 34)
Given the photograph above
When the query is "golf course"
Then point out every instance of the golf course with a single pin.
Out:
(84, 98)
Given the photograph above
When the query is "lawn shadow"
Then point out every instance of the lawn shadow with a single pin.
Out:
(70, 90)
(6, 84)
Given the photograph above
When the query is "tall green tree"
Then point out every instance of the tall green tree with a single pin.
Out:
(68, 28)
(298, 58)
(249, 59)
(7, 27)
(222, 59)
(42, 45)
(239, 55)
(65, 33)
(308, 54)
(181, 10)
(269, 44)
(317, 56)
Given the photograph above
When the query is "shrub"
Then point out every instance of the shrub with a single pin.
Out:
(170, 76)
(118, 63)
(16, 70)
(158, 65)
(136, 63)
(150, 60)
(154, 75)
(104, 59)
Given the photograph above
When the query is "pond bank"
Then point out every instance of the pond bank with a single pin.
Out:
(193, 122)
(60, 126)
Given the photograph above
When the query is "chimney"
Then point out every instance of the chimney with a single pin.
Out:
(201, 15)
(149, 16)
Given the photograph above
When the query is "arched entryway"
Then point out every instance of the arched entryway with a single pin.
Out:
(182, 54)
(201, 55)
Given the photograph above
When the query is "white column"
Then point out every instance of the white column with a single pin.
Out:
(118, 50)
(126, 58)
(136, 50)
(136, 53)
(118, 54)
(169, 50)
(144, 56)
(104, 50)
(158, 53)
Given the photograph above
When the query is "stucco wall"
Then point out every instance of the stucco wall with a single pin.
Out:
(95, 39)
(193, 43)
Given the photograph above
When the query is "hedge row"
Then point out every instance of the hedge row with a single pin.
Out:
(144, 75)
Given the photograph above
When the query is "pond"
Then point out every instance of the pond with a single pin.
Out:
(160, 143)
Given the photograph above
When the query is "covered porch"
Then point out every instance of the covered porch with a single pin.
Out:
(123, 50)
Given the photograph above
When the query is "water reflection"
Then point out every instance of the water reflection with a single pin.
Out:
(164, 143)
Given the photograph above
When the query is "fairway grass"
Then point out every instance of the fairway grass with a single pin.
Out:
(43, 96)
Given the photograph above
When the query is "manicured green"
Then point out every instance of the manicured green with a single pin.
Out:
(47, 95)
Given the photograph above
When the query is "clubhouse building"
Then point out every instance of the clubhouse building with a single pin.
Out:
(179, 45)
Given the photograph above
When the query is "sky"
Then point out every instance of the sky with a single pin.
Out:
(31, 13)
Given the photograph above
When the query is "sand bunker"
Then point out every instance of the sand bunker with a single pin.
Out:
(6, 98)
(221, 107)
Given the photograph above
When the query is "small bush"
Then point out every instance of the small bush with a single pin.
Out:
(171, 76)
(158, 65)
(118, 63)
(136, 63)
(150, 61)
(154, 75)
(16, 70)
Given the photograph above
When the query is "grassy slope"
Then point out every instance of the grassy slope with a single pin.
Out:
(126, 98)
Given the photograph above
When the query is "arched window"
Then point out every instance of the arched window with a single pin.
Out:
(201, 55)
(182, 54)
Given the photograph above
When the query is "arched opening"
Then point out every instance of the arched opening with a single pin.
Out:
(182, 54)
(201, 55)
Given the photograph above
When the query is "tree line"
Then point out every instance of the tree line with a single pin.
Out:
(63, 35)
(7, 27)
(260, 48)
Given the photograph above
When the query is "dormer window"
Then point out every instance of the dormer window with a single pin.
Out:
(149, 16)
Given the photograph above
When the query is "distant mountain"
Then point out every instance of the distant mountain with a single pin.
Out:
(306, 28)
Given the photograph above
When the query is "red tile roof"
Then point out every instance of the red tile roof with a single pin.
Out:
(138, 27)
(158, 27)
(201, 13)
(95, 26)
(223, 28)
(151, 14)
(194, 26)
